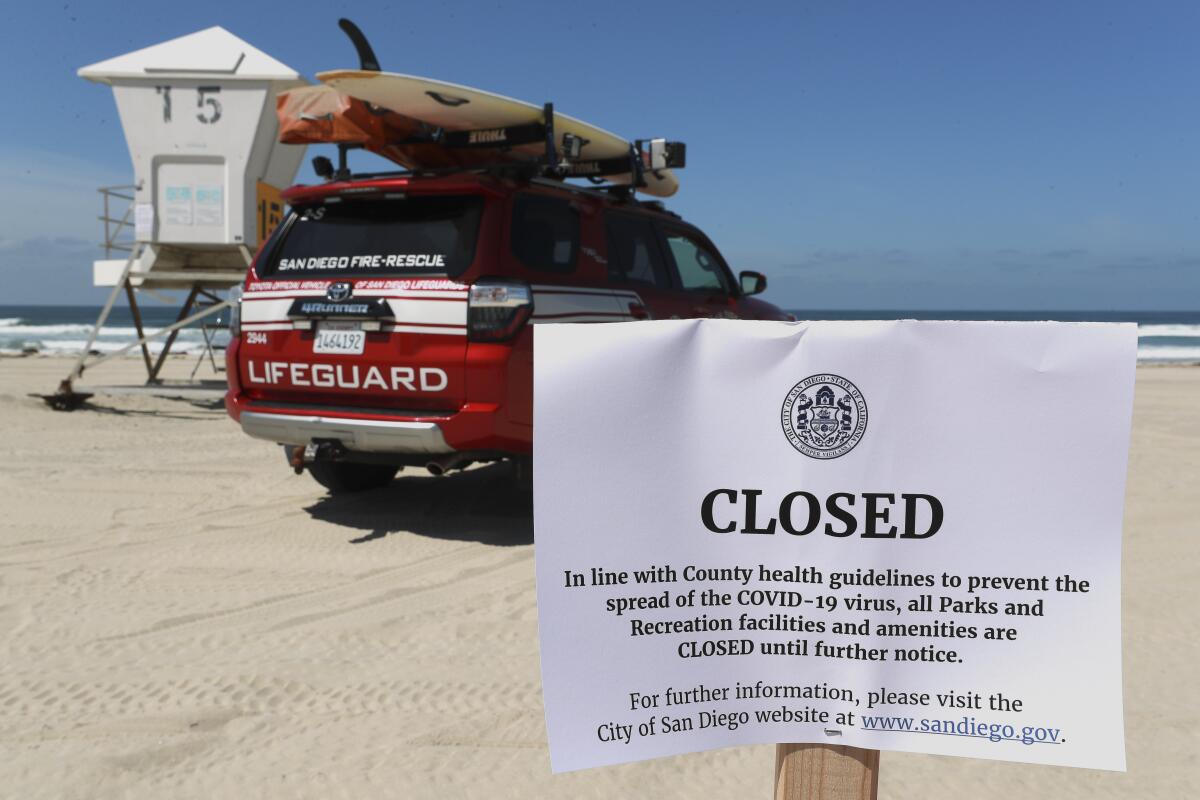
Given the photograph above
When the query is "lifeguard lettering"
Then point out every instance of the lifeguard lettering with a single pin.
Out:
(347, 376)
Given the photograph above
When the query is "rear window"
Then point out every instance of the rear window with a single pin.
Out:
(545, 233)
(412, 236)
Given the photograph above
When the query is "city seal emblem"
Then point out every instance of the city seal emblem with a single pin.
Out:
(824, 416)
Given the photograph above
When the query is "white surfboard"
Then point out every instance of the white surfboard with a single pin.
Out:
(458, 108)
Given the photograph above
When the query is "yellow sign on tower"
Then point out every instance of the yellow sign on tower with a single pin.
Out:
(270, 210)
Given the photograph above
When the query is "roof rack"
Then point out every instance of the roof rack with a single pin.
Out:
(560, 159)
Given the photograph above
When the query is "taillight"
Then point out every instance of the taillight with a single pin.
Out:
(497, 309)
(235, 311)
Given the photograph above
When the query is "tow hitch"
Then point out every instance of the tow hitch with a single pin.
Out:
(317, 450)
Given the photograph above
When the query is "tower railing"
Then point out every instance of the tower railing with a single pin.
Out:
(114, 227)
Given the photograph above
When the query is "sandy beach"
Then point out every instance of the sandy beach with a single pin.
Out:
(181, 616)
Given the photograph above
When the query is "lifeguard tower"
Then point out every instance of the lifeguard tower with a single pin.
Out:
(198, 113)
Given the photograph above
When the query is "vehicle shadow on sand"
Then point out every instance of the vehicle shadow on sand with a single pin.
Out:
(482, 505)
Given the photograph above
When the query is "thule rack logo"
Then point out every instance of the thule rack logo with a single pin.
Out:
(583, 168)
(493, 136)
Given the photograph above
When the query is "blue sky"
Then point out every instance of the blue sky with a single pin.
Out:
(864, 155)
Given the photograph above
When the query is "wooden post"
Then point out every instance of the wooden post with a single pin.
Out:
(825, 772)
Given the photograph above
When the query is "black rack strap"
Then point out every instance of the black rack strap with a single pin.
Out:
(543, 132)
(596, 167)
(633, 164)
(511, 136)
(637, 165)
(548, 124)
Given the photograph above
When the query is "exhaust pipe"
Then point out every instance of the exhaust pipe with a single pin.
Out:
(441, 466)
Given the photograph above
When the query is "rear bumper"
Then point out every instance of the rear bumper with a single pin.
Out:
(494, 418)
(362, 435)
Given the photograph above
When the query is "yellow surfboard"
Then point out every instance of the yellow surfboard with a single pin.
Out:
(461, 108)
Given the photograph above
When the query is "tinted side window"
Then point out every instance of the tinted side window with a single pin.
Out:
(545, 233)
(633, 253)
(698, 267)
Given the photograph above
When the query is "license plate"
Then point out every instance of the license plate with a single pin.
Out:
(340, 338)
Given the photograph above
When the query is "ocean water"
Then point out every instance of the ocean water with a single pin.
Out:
(64, 329)
(1163, 336)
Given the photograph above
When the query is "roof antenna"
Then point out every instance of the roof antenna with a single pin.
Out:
(366, 56)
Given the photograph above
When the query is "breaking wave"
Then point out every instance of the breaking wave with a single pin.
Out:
(1158, 342)
(19, 335)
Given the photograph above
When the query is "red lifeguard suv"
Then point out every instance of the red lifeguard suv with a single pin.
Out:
(386, 322)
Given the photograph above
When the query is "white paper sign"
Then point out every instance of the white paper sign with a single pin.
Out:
(210, 205)
(890, 535)
(177, 208)
(143, 222)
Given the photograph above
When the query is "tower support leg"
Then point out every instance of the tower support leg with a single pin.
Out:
(137, 323)
(183, 314)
